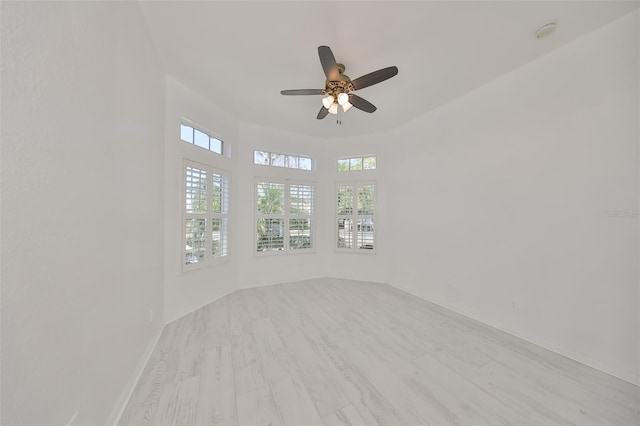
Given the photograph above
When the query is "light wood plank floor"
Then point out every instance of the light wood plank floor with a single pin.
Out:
(335, 352)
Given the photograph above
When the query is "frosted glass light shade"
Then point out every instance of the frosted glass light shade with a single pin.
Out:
(334, 108)
(343, 99)
(327, 102)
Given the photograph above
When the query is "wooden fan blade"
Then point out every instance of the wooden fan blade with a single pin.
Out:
(322, 113)
(361, 104)
(328, 62)
(374, 77)
(301, 92)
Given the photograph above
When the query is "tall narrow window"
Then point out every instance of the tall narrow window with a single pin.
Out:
(206, 215)
(219, 215)
(284, 216)
(271, 216)
(355, 216)
(300, 215)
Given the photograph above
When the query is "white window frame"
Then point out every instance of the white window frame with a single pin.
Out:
(188, 123)
(286, 217)
(355, 216)
(362, 159)
(286, 160)
(209, 215)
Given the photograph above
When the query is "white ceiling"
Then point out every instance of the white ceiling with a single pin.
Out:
(239, 55)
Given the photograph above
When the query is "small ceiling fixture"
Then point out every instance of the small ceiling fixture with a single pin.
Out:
(338, 86)
(546, 30)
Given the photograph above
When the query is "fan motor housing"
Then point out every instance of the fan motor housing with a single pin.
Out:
(341, 85)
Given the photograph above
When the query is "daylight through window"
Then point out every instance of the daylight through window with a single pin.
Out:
(282, 160)
(199, 138)
(355, 216)
(206, 215)
(357, 163)
(284, 216)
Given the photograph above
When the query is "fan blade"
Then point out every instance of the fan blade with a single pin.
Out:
(301, 92)
(328, 62)
(361, 104)
(322, 113)
(374, 78)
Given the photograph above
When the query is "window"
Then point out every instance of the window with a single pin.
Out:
(284, 216)
(357, 163)
(206, 215)
(281, 160)
(199, 138)
(355, 218)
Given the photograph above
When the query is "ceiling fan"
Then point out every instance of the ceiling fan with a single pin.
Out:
(339, 86)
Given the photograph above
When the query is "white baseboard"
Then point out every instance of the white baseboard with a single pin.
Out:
(126, 394)
(620, 373)
(269, 283)
(170, 319)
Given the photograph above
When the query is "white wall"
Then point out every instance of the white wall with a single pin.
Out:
(493, 205)
(187, 291)
(255, 270)
(500, 199)
(365, 266)
(82, 185)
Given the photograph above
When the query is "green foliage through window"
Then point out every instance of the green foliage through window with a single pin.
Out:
(357, 163)
(285, 213)
(274, 159)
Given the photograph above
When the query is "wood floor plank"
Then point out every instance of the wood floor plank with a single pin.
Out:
(329, 351)
(178, 403)
(257, 407)
(289, 392)
(372, 406)
(184, 355)
(215, 323)
(144, 400)
(471, 404)
(248, 374)
(216, 395)
(346, 416)
(324, 392)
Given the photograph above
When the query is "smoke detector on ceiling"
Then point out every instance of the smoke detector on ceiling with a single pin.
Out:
(546, 30)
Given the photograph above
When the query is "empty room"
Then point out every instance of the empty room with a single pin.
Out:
(320, 213)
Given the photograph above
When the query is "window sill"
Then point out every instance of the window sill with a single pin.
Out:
(211, 264)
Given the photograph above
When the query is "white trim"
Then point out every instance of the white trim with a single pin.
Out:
(354, 217)
(127, 393)
(353, 157)
(212, 135)
(298, 156)
(286, 216)
(209, 259)
(612, 370)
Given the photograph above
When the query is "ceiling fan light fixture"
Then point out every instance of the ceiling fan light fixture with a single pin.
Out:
(327, 102)
(336, 93)
(334, 107)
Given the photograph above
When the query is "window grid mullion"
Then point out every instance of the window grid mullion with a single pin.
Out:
(287, 208)
(208, 215)
(209, 211)
(362, 225)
